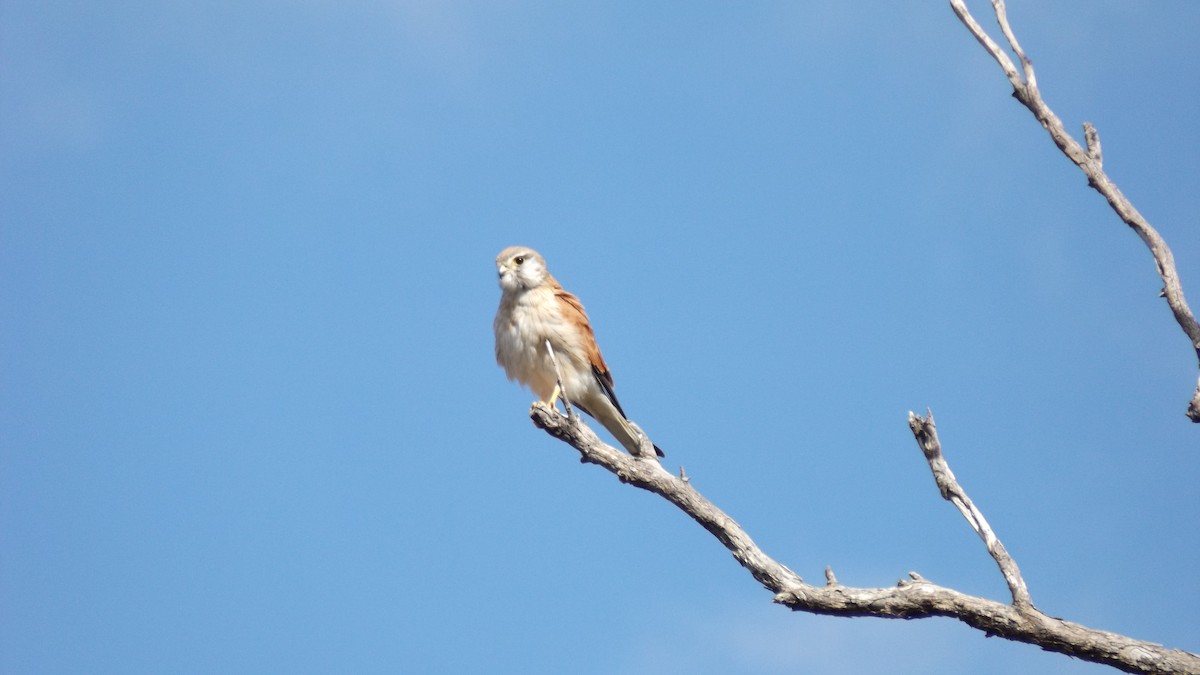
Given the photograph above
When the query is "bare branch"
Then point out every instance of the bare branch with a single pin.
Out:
(912, 598)
(1026, 91)
(648, 474)
(1026, 64)
(915, 597)
(926, 434)
(988, 43)
(830, 577)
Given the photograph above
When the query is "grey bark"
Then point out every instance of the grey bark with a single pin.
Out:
(1091, 162)
(911, 598)
(915, 597)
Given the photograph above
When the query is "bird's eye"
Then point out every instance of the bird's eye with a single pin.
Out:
(519, 259)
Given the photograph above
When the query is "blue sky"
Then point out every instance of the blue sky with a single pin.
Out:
(250, 419)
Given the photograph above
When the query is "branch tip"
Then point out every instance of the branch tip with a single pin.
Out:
(1092, 138)
(1088, 157)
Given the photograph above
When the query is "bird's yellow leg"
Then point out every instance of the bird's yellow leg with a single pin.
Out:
(557, 382)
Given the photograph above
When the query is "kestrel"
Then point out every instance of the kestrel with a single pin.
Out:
(534, 308)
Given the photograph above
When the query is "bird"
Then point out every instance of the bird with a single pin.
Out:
(535, 308)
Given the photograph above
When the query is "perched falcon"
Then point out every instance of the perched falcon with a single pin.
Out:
(535, 308)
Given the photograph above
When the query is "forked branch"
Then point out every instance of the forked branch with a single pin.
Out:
(915, 597)
(911, 598)
(1090, 160)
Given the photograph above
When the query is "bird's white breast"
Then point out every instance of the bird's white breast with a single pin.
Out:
(523, 324)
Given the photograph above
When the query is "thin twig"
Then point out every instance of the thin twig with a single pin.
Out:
(1090, 161)
(1010, 70)
(925, 432)
(1026, 64)
(1092, 137)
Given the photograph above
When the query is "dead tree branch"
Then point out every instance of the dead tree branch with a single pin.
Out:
(1090, 160)
(911, 598)
(925, 432)
(915, 597)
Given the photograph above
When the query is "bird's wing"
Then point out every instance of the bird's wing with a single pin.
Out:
(573, 312)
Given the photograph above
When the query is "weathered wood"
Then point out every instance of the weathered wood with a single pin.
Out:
(1091, 162)
(912, 598)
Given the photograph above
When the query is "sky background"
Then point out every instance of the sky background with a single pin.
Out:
(250, 418)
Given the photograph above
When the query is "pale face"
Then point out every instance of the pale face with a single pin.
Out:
(520, 268)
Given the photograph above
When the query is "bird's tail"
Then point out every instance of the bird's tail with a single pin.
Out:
(626, 432)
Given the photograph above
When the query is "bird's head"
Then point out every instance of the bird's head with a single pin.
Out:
(521, 268)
